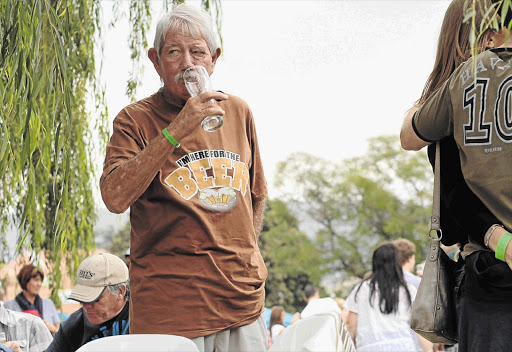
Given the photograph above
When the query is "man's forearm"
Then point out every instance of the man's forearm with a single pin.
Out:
(257, 217)
(126, 183)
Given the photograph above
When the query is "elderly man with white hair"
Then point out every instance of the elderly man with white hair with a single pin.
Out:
(103, 289)
(196, 199)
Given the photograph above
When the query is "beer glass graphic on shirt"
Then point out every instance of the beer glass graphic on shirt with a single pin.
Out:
(218, 199)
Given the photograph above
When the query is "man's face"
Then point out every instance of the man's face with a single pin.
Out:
(178, 53)
(105, 308)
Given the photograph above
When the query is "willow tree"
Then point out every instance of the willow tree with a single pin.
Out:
(493, 17)
(53, 121)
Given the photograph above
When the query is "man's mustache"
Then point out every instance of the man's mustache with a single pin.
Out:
(178, 77)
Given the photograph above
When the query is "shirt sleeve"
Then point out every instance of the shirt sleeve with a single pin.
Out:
(126, 142)
(52, 312)
(434, 119)
(40, 337)
(12, 305)
(4, 348)
(412, 291)
(257, 176)
(350, 303)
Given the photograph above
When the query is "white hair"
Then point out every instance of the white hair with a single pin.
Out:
(118, 288)
(189, 20)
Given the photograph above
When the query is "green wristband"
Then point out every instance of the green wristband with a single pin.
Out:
(170, 138)
(502, 246)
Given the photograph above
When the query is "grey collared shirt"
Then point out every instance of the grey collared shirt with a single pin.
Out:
(27, 330)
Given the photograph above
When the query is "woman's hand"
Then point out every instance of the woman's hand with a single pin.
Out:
(493, 243)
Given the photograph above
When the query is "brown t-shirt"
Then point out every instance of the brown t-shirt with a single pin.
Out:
(477, 111)
(195, 263)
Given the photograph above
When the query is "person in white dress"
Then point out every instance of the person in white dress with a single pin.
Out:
(380, 307)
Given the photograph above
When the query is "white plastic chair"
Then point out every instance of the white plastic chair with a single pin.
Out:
(140, 342)
(317, 333)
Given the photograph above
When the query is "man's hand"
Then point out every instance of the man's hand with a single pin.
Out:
(194, 111)
(13, 345)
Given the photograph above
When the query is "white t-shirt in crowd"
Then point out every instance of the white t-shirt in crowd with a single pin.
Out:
(412, 279)
(275, 331)
(319, 306)
(377, 331)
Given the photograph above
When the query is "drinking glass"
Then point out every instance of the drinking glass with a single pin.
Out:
(3, 339)
(197, 81)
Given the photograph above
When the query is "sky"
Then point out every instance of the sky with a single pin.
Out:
(321, 77)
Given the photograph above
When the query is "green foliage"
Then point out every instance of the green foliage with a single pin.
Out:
(214, 8)
(53, 121)
(291, 258)
(140, 18)
(358, 203)
(47, 83)
(491, 19)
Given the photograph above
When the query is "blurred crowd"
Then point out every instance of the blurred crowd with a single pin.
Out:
(377, 311)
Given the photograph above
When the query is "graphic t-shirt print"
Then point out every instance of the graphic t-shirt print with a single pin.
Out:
(214, 175)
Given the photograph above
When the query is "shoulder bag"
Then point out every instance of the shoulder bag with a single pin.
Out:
(434, 313)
